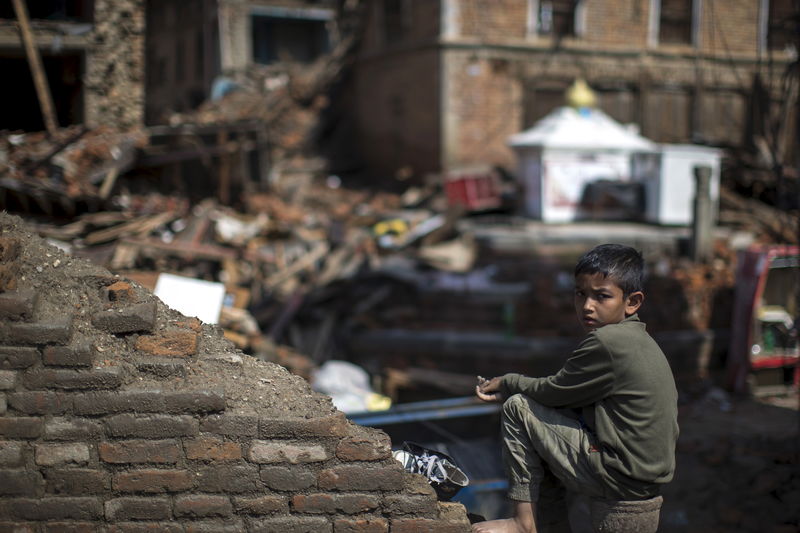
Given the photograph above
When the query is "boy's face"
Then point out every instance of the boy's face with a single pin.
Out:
(599, 301)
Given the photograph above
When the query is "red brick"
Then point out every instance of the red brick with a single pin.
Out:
(77, 481)
(292, 524)
(358, 477)
(9, 249)
(97, 378)
(334, 503)
(287, 478)
(20, 482)
(40, 402)
(171, 343)
(144, 527)
(422, 525)
(38, 333)
(101, 403)
(373, 448)
(8, 379)
(59, 508)
(72, 429)
(202, 506)
(18, 357)
(153, 481)
(11, 453)
(57, 454)
(329, 426)
(137, 317)
(420, 506)
(264, 505)
(279, 451)
(73, 355)
(191, 323)
(212, 449)
(200, 401)
(18, 304)
(151, 426)
(20, 427)
(120, 509)
(120, 291)
(231, 425)
(18, 527)
(362, 525)
(9, 275)
(229, 478)
(140, 451)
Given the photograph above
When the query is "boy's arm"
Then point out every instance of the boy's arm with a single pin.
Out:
(586, 377)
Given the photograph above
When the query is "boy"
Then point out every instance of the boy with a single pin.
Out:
(605, 424)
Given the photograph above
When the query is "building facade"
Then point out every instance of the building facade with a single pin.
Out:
(444, 84)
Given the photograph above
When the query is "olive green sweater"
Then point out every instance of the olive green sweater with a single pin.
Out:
(621, 381)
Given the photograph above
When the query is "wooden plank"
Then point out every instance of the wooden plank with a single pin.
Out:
(37, 70)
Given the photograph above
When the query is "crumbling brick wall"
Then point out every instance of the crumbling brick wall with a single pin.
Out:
(119, 414)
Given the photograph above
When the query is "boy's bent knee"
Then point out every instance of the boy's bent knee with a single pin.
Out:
(519, 404)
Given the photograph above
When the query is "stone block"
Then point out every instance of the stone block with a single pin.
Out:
(404, 504)
(160, 367)
(285, 452)
(145, 527)
(130, 319)
(292, 524)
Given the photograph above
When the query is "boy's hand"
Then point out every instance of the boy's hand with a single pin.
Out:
(488, 390)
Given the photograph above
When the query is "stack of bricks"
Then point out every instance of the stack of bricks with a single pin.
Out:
(81, 449)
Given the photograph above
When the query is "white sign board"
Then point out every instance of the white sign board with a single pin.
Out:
(192, 297)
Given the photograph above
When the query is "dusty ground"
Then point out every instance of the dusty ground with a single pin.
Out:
(69, 285)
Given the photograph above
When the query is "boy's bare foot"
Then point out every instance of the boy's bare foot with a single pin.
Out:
(507, 525)
(524, 521)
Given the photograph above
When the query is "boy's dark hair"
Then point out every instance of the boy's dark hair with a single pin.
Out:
(623, 264)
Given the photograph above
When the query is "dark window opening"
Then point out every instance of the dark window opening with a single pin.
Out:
(64, 74)
(782, 25)
(675, 22)
(557, 17)
(542, 100)
(71, 10)
(394, 23)
(278, 39)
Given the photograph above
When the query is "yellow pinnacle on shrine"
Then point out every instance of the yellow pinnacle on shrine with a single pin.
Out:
(580, 95)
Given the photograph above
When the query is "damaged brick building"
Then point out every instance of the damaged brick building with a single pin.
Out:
(119, 414)
(444, 84)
